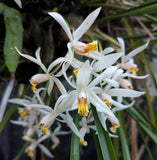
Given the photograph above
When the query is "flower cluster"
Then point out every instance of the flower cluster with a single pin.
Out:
(99, 79)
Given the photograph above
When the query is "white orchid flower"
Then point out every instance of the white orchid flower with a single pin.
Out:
(39, 78)
(126, 60)
(85, 127)
(79, 47)
(37, 143)
(84, 90)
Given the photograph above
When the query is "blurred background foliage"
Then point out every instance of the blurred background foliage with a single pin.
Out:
(136, 21)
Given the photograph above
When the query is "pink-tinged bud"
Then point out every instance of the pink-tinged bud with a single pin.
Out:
(126, 84)
(37, 79)
(115, 123)
(107, 99)
(55, 140)
(130, 67)
(29, 133)
(46, 121)
(31, 148)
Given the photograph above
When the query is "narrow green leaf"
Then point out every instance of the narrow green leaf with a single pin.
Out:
(106, 145)
(142, 120)
(144, 138)
(142, 9)
(18, 157)
(74, 154)
(13, 36)
(123, 138)
(149, 132)
(98, 148)
(7, 116)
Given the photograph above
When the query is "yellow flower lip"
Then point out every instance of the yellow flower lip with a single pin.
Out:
(134, 70)
(33, 88)
(107, 103)
(115, 126)
(45, 130)
(24, 111)
(30, 153)
(76, 72)
(82, 103)
(83, 142)
(85, 48)
(37, 79)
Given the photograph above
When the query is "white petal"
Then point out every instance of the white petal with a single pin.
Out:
(37, 54)
(32, 118)
(45, 136)
(102, 118)
(19, 3)
(55, 63)
(134, 76)
(39, 106)
(80, 31)
(45, 150)
(33, 60)
(62, 22)
(107, 50)
(59, 100)
(22, 123)
(67, 102)
(136, 51)
(71, 124)
(125, 93)
(122, 46)
(65, 76)
(59, 85)
(50, 86)
(111, 82)
(99, 104)
(106, 61)
(19, 101)
(117, 74)
(83, 75)
(60, 73)
(109, 71)
(119, 106)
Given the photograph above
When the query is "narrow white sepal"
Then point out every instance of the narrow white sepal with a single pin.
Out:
(135, 51)
(125, 93)
(45, 150)
(33, 60)
(107, 50)
(62, 22)
(106, 61)
(86, 24)
(134, 76)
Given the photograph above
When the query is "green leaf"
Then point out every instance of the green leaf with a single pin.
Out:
(106, 145)
(75, 150)
(123, 138)
(145, 8)
(13, 36)
(98, 148)
(7, 116)
(22, 151)
(142, 120)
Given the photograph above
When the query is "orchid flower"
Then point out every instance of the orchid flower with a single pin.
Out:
(79, 47)
(126, 60)
(37, 143)
(39, 78)
(85, 127)
(84, 90)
